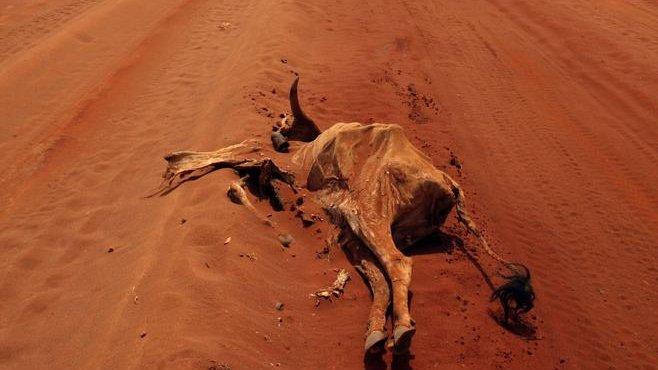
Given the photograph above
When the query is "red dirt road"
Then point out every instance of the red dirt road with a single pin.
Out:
(551, 108)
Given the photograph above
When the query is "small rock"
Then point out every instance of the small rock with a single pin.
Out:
(279, 306)
(228, 240)
(307, 221)
(110, 250)
(286, 240)
(225, 26)
(279, 142)
(300, 201)
(324, 252)
(182, 221)
(218, 366)
(251, 256)
(454, 161)
(279, 319)
(143, 335)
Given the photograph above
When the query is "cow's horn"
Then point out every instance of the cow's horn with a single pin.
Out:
(303, 128)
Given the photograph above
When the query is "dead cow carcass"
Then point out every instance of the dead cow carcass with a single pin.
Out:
(383, 194)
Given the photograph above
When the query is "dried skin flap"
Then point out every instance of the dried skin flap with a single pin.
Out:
(186, 165)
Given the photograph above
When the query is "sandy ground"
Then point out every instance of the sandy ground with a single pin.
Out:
(551, 108)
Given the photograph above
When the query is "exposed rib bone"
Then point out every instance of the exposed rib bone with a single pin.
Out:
(238, 195)
(336, 289)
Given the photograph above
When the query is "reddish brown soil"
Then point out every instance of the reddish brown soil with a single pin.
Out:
(550, 106)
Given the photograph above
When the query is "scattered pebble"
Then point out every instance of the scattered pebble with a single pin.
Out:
(143, 335)
(307, 220)
(251, 256)
(228, 240)
(218, 366)
(324, 252)
(224, 26)
(454, 161)
(182, 221)
(110, 250)
(286, 240)
(279, 306)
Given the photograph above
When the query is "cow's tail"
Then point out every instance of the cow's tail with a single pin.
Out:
(464, 218)
(517, 287)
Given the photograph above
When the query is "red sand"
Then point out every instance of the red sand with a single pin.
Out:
(551, 107)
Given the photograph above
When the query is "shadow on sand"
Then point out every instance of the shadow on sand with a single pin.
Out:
(376, 362)
(441, 242)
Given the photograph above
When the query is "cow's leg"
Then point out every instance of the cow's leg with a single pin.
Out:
(398, 267)
(366, 263)
(375, 333)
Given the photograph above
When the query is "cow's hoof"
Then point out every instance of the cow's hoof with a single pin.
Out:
(375, 342)
(402, 338)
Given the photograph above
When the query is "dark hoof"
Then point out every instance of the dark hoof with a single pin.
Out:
(375, 342)
(402, 339)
